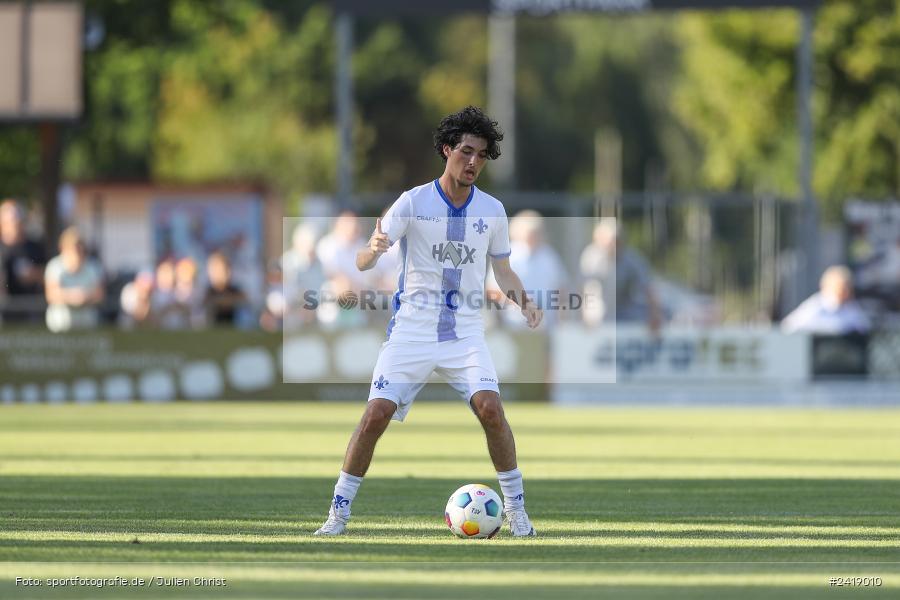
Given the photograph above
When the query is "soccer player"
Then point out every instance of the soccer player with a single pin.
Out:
(447, 230)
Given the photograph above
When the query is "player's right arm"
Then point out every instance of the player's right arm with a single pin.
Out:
(371, 252)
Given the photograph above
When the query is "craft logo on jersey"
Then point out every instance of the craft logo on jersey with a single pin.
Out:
(381, 383)
(480, 226)
(456, 253)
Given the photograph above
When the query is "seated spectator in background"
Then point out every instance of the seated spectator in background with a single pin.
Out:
(177, 302)
(135, 301)
(301, 273)
(163, 306)
(537, 264)
(879, 276)
(73, 284)
(832, 310)
(188, 294)
(272, 316)
(619, 278)
(22, 260)
(337, 252)
(224, 300)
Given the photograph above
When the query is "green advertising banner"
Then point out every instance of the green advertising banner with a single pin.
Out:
(159, 366)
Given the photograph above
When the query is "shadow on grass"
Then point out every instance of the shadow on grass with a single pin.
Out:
(342, 427)
(448, 458)
(89, 518)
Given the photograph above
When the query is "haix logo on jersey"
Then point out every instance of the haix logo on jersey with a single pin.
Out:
(456, 253)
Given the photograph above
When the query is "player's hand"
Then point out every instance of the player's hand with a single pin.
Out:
(533, 315)
(379, 242)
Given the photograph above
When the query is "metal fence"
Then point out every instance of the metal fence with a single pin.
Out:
(742, 251)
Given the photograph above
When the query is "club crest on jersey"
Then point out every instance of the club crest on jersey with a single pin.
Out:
(381, 383)
(480, 226)
(456, 253)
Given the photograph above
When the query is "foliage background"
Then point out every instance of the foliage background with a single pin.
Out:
(243, 89)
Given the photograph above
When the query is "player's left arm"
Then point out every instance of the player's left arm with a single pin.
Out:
(512, 287)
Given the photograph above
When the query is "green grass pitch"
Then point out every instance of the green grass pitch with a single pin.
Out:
(628, 503)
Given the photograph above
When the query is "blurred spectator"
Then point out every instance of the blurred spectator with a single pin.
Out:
(23, 260)
(136, 301)
(188, 293)
(272, 316)
(337, 253)
(246, 268)
(73, 285)
(164, 307)
(537, 264)
(831, 310)
(619, 277)
(344, 282)
(177, 302)
(224, 300)
(302, 272)
(879, 276)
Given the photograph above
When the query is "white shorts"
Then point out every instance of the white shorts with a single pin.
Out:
(403, 368)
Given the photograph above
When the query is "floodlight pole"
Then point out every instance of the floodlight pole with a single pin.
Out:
(809, 208)
(343, 93)
(502, 92)
(51, 151)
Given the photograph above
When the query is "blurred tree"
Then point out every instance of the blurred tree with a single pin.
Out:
(737, 94)
(387, 66)
(20, 161)
(190, 91)
(113, 138)
(408, 75)
(578, 74)
(859, 124)
(244, 89)
(248, 99)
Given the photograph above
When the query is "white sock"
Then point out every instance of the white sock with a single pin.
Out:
(345, 491)
(513, 491)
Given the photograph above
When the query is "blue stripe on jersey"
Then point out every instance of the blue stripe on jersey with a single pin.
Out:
(456, 232)
(446, 328)
(401, 282)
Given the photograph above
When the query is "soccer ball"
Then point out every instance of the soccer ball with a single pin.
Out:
(474, 511)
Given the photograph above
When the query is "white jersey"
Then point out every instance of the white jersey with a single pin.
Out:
(443, 262)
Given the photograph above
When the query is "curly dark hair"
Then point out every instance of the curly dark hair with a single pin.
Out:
(469, 120)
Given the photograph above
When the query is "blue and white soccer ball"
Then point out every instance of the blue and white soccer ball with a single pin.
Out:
(474, 511)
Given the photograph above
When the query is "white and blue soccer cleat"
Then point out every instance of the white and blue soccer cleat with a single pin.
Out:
(335, 524)
(519, 523)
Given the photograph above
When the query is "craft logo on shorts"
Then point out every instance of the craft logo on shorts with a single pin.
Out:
(456, 253)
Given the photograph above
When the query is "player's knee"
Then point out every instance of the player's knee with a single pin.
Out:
(489, 409)
(378, 415)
